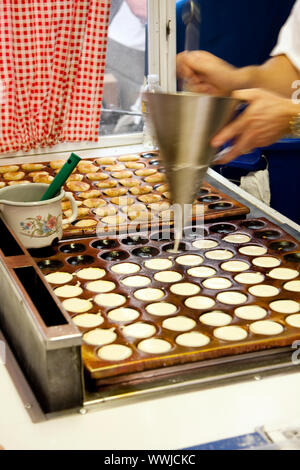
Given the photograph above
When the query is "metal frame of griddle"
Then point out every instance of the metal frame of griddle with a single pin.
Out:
(210, 373)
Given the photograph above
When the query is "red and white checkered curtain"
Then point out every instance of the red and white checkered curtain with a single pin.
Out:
(52, 60)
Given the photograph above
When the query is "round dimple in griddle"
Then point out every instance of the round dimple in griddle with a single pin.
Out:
(68, 291)
(266, 327)
(282, 245)
(100, 337)
(88, 320)
(293, 320)
(215, 318)
(110, 300)
(163, 236)
(266, 262)
(168, 276)
(104, 244)
(208, 199)
(115, 255)
(134, 240)
(249, 278)
(201, 272)
(292, 286)
(204, 244)
(219, 254)
(189, 260)
(235, 266)
(285, 306)
(185, 288)
(145, 252)
(136, 281)
(199, 302)
(292, 257)
(237, 238)
(59, 277)
(231, 298)
(179, 323)
(230, 333)
(253, 224)
(218, 206)
(125, 268)
(283, 273)
(50, 264)
(149, 294)
(123, 314)
(196, 231)
(80, 260)
(253, 250)
(264, 290)
(100, 286)
(158, 264)
(114, 352)
(76, 305)
(268, 234)
(72, 248)
(170, 248)
(149, 155)
(139, 330)
(222, 228)
(154, 346)
(202, 192)
(217, 283)
(46, 252)
(193, 339)
(91, 274)
(161, 309)
(250, 312)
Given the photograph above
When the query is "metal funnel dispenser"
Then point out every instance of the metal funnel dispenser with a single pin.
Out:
(185, 124)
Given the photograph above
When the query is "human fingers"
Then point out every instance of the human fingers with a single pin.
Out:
(233, 129)
(242, 145)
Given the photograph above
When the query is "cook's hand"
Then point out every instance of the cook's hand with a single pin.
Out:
(265, 120)
(203, 72)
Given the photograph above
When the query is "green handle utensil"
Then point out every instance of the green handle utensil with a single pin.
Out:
(61, 177)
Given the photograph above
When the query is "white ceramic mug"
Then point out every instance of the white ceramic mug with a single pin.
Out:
(36, 223)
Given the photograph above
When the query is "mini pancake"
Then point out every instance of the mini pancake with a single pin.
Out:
(253, 250)
(283, 273)
(113, 220)
(203, 244)
(230, 333)
(58, 277)
(232, 298)
(114, 192)
(140, 190)
(134, 207)
(161, 309)
(68, 291)
(128, 158)
(293, 320)
(31, 167)
(94, 202)
(82, 212)
(57, 164)
(86, 223)
(266, 327)
(157, 178)
(13, 183)
(163, 188)
(2, 184)
(129, 183)
(168, 276)
(88, 320)
(14, 175)
(217, 283)
(123, 314)
(90, 274)
(110, 300)
(292, 286)
(140, 216)
(179, 323)
(264, 290)
(94, 176)
(77, 186)
(134, 165)
(193, 339)
(199, 302)
(75, 177)
(158, 264)
(201, 272)
(94, 193)
(167, 195)
(189, 260)
(219, 254)
(105, 211)
(43, 179)
(116, 167)
(99, 337)
(86, 167)
(149, 294)
(114, 352)
(122, 201)
(146, 172)
(9, 169)
(37, 173)
(120, 175)
(285, 306)
(106, 184)
(76, 305)
(185, 288)
(136, 281)
(250, 312)
(235, 266)
(106, 161)
(154, 346)
(266, 262)
(149, 198)
(100, 286)
(249, 278)
(125, 268)
(167, 215)
(237, 238)
(159, 206)
(215, 318)
(139, 330)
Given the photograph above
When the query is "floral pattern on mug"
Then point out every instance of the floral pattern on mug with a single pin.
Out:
(37, 227)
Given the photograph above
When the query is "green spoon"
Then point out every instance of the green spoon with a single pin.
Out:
(61, 177)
